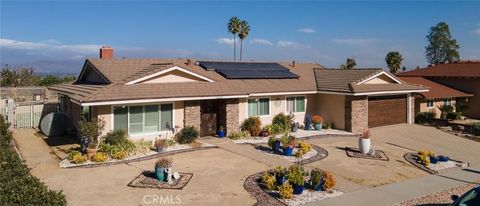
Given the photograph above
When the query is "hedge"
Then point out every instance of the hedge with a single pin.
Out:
(17, 185)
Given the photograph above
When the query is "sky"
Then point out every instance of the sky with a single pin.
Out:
(57, 36)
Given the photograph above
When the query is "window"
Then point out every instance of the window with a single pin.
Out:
(143, 118)
(447, 102)
(87, 113)
(295, 104)
(258, 107)
(429, 103)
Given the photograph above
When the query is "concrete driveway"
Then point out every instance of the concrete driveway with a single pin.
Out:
(355, 174)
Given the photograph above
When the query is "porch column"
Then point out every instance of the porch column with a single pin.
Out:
(356, 113)
(192, 114)
(232, 112)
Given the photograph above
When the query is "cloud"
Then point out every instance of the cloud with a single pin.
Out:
(226, 41)
(307, 30)
(49, 47)
(261, 41)
(283, 43)
(355, 42)
(476, 32)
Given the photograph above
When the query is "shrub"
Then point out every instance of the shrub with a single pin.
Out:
(316, 176)
(328, 125)
(425, 117)
(116, 137)
(454, 115)
(142, 146)
(92, 130)
(304, 146)
(187, 135)
(296, 175)
(280, 171)
(274, 129)
(444, 108)
(299, 154)
(317, 119)
(286, 191)
(100, 157)
(252, 125)
(272, 140)
(269, 181)
(73, 153)
(17, 185)
(328, 181)
(79, 159)
(283, 122)
(119, 155)
(236, 135)
(476, 129)
(288, 141)
(163, 162)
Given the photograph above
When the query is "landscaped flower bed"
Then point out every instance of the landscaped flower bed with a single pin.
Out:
(289, 150)
(292, 186)
(432, 163)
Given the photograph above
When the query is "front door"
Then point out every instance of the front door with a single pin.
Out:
(209, 114)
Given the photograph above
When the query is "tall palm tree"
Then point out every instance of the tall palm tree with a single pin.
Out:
(244, 30)
(233, 27)
(394, 61)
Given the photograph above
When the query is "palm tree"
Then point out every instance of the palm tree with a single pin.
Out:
(394, 61)
(233, 27)
(244, 30)
(349, 64)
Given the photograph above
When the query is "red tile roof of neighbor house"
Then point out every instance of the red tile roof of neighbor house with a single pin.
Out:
(465, 69)
(435, 90)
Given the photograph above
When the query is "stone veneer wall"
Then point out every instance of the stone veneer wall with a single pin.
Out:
(232, 115)
(192, 114)
(356, 113)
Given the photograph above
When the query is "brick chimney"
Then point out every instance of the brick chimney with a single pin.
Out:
(106, 52)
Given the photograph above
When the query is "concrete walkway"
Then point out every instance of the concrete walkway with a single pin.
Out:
(394, 193)
(247, 151)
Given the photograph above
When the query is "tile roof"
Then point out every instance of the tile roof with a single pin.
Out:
(469, 69)
(435, 90)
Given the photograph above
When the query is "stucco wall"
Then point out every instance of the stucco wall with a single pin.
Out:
(471, 86)
(105, 113)
(421, 106)
(332, 108)
(178, 114)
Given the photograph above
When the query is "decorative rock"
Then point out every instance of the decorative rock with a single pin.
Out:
(176, 175)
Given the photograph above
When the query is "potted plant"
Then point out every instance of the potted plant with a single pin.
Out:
(92, 130)
(317, 122)
(221, 132)
(295, 126)
(328, 181)
(274, 143)
(296, 178)
(364, 142)
(288, 143)
(316, 179)
(160, 168)
(443, 158)
(280, 175)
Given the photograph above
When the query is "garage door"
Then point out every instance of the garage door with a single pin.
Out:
(387, 110)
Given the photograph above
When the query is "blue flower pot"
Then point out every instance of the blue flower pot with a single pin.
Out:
(160, 173)
(281, 179)
(276, 147)
(221, 133)
(287, 151)
(318, 126)
(298, 189)
(442, 158)
(433, 160)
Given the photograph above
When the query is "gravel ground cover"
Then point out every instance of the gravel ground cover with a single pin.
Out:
(300, 134)
(442, 198)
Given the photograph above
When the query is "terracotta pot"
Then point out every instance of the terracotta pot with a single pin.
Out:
(90, 153)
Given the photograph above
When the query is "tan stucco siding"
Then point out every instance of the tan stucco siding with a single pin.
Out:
(172, 76)
(179, 114)
(332, 108)
(421, 106)
(105, 113)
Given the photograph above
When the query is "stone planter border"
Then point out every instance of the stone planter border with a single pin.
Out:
(413, 159)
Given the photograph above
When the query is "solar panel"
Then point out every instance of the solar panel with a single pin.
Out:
(249, 70)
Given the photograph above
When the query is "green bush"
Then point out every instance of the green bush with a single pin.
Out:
(116, 137)
(274, 129)
(187, 135)
(252, 125)
(284, 122)
(100, 157)
(17, 185)
(79, 159)
(73, 153)
(445, 109)
(425, 117)
(476, 129)
(454, 115)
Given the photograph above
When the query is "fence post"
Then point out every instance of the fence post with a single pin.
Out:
(11, 112)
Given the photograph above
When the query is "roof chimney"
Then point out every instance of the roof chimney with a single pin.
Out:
(106, 52)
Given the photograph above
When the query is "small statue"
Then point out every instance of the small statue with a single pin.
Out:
(308, 121)
(84, 142)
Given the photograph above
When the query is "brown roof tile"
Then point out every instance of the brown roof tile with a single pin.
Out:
(468, 69)
(435, 90)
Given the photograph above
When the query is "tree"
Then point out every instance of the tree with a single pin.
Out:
(442, 47)
(233, 27)
(242, 34)
(349, 64)
(12, 77)
(394, 61)
(404, 68)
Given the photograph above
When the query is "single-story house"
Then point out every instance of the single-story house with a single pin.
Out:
(436, 96)
(462, 76)
(148, 97)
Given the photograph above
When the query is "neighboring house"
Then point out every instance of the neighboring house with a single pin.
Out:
(436, 96)
(463, 76)
(148, 97)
